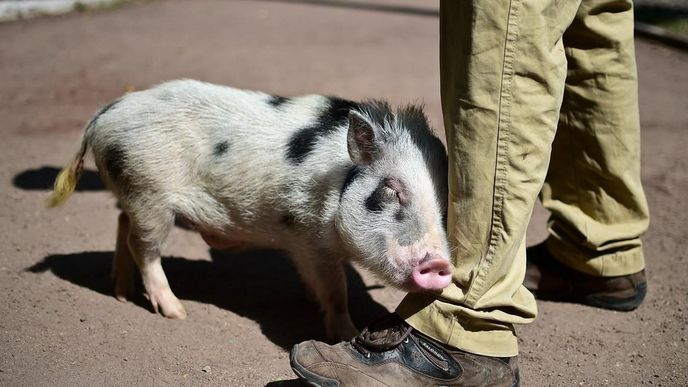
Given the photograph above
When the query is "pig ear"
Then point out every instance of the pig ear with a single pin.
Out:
(361, 140)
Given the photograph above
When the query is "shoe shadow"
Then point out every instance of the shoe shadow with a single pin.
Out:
(262, 285)
(287, 383)
(42, 179)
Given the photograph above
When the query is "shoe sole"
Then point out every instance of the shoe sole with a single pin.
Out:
(306, 375)
(315, 380)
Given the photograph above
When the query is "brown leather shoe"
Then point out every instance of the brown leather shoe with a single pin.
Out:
(391, 353)
(550, 280)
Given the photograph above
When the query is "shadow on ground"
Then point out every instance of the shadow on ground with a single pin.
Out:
(287, 383)
(262, 285)
(366, 6)
(674, 17)
(42, 179)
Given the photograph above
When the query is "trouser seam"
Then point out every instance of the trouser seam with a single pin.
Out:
(452, 324)
(501, 165)
(573, 149)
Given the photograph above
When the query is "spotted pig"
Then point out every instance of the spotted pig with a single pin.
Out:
(326, 179)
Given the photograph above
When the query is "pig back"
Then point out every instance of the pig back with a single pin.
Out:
(233, 152)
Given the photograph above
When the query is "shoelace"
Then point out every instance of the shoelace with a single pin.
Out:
(382, 335)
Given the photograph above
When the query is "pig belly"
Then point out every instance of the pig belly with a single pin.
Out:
(222, 243)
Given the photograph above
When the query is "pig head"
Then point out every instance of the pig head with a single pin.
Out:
(393, 202)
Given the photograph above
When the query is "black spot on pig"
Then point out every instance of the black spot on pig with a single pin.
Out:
(288, 219)
(114, 159)
(300, 145)
(411, 230)
(375, 202)
(353, 173)
(277, 101)
(334, 115)
(431, 148)
(220, 148)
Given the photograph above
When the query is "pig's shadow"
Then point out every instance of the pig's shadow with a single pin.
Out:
(42, 179)
(262, 285)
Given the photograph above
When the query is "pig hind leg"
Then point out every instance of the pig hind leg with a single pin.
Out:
(327, 281)
(146, 236)
(123, 265)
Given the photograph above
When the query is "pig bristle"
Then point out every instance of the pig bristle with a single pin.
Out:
(64, 186)
(66, 180)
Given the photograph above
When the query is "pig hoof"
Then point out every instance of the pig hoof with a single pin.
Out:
(178, 313)
(125, 288)
(167, 304)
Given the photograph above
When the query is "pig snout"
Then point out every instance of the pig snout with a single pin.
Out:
(432, 273)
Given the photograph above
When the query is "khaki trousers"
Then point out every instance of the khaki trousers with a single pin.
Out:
(514, 74)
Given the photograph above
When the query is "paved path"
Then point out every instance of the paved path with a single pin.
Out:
(59, 325)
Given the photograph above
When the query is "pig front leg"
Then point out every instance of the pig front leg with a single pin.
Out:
(326, 278)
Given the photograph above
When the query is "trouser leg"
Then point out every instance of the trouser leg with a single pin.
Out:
(593, 187)
(502, 76)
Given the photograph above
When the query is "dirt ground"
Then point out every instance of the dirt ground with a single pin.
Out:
(59, 324)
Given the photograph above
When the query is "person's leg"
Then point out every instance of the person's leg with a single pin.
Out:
(503, 69)
(593, 189)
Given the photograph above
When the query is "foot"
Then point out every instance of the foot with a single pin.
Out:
(125, 287)
(391, 353)
(550, 280)
(123, 278)
(167, 304)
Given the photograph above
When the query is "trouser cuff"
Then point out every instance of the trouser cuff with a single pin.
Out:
(457, 329)
(600, 264)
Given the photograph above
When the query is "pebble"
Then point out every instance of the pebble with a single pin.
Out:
(206, 369)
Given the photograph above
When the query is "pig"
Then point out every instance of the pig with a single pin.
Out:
(326, 179)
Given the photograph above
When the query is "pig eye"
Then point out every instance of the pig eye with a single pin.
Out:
(389, 194)
(398, 189)
(380, 197)
(390, 191)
